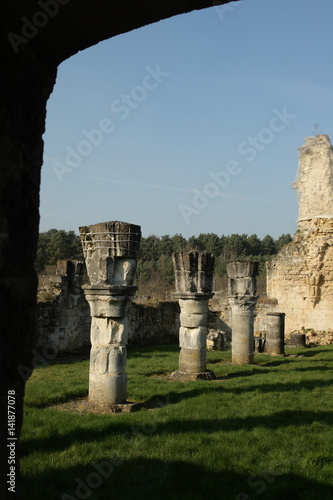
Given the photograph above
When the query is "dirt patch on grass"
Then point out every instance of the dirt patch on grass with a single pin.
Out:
(84, 406)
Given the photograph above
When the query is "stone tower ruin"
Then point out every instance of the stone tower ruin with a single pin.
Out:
(300, 278)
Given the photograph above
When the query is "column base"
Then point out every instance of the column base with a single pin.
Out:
(188, 376)
(242, 360)
(107, 389)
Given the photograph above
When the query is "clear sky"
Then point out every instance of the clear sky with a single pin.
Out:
(191, 125)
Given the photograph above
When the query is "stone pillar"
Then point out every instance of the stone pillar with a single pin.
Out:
(275, 334)
(242, 299)
(110, 251)
(193, 281)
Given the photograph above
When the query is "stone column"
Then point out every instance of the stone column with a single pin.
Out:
(193, 281)
(242, 299)
(275, 334)
(110, 251)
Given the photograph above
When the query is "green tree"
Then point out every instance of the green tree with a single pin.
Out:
(179, 243)
(236, 247)
(254, 245)
(193, 243)
(56, 245)
(145, 270)
(150, 248)
(166, 245)
(165, 268)
(284, 239)
(268, 245)
(211, 243)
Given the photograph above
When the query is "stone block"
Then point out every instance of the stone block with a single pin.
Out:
(242, 357)
(297, 340)
(241, 286)
(193, 271)
(192, 360)
(103, 306)
(193, 320)
(109, 331)
(103, 243)
(107, 389)
(193, 338)
(105, 360)
(124, 271)
(193, 306)
(242, 269)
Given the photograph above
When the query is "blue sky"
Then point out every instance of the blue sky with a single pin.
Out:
(191, 125)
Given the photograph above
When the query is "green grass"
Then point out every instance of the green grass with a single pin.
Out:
(261, 431)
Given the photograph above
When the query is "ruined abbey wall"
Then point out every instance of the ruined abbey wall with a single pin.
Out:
(63, 323)
(300, 278)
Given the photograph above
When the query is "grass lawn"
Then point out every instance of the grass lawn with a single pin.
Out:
(261, 431)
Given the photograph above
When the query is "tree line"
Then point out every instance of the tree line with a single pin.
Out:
(155, 260)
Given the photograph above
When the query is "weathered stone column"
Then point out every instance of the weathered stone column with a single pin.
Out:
(274, 345)
(193, 281)
(242, 299)
(110, 251)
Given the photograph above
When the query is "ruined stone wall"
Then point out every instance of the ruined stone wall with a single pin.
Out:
(63, 323)
(153, 325)
(300, 278)
(314, 179)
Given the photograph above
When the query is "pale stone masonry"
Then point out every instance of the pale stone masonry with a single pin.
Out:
(110, 251)
(193, 282)
(300, 278)
(242, 299)
(314, 179)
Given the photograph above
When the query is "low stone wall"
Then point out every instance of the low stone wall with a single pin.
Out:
(153, 325)
(63, 323)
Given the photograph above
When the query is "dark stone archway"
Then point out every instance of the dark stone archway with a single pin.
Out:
(36, 36)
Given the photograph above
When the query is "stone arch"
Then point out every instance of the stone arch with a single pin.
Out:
(36, 38)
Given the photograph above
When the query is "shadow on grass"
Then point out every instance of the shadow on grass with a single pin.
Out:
(276, 362)
(217, 386)
(220, 386)
(143, 479)
(66, 359)
(313, 369)
(59, 441)
(274, 421)
(257, 369)
(309, 352)
(260, 360)
(243, 374)
(69, 396)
